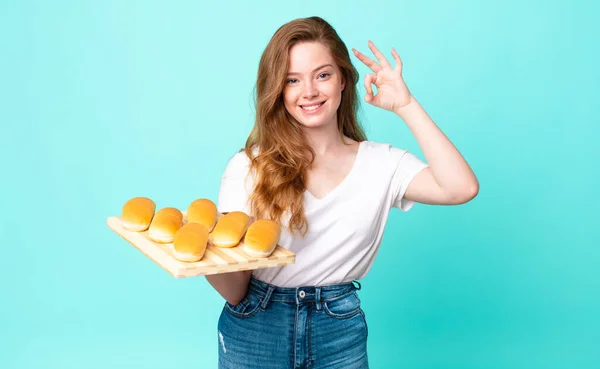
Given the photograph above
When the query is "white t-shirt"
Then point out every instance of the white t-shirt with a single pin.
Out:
(345, 227)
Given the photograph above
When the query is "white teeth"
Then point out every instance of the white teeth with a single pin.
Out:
(312, 107)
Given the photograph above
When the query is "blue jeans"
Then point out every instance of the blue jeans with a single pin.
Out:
(304, 327)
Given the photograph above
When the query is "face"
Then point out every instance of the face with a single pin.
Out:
(314, 85)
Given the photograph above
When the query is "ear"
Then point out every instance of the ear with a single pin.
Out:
(343, 84)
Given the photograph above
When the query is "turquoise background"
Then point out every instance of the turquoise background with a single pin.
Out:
(103, 101)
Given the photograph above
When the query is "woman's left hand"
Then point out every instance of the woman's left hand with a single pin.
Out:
(392, 93)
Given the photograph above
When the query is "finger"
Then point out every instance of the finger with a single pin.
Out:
(368, 61)
(370, 80)
(397, 58)
(382, 60)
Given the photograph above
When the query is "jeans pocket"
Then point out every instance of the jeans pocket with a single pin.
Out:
(247, 308)
(364, 318)
(343, 307)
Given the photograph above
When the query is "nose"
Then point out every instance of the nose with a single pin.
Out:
(309, 90)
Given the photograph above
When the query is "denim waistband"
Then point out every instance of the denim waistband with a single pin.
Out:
(269, 292)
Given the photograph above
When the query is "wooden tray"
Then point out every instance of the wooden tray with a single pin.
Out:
(216, 260)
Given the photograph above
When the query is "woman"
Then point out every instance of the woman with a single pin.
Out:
(308, 165)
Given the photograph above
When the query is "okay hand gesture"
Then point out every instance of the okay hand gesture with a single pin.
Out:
(392, 92)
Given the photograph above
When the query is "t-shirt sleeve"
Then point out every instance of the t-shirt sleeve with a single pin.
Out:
(406, 167)
(233, 192)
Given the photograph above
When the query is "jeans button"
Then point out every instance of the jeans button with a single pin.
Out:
(302, 294)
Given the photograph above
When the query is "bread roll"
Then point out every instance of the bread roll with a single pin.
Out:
(262, 238)
(190, 242)
(164, 225)
(203, 211)
(137, 214)
(230, 229)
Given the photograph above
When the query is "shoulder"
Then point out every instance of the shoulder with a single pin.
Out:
(382, 150)
(238, 164)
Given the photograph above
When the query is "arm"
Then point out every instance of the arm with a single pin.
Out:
(449, 180)
(233, 286)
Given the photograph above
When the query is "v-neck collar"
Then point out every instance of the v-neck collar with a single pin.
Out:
(343, 182)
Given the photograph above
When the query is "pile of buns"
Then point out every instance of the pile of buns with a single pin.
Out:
(190, 236)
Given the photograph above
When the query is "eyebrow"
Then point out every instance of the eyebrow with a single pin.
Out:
(316, 69)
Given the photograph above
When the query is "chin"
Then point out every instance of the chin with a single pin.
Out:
(313, 124)
(319, 121)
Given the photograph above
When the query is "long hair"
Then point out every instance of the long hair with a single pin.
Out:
(283, 156)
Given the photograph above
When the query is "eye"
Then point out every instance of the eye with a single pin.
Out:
(324, 75)
(291, 80)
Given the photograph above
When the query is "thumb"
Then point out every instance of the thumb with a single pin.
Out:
(370, 80)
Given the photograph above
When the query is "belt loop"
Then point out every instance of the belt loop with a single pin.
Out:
(318, 297)
(265, 301)
(359, 286)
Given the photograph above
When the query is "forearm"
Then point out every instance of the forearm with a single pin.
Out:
(449, 168)
(233, 286)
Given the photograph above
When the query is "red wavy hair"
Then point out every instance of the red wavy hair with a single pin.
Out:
(280, 165)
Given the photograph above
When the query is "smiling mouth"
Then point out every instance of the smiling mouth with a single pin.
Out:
(312, 107)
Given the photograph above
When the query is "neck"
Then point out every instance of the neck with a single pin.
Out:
(324, 140)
